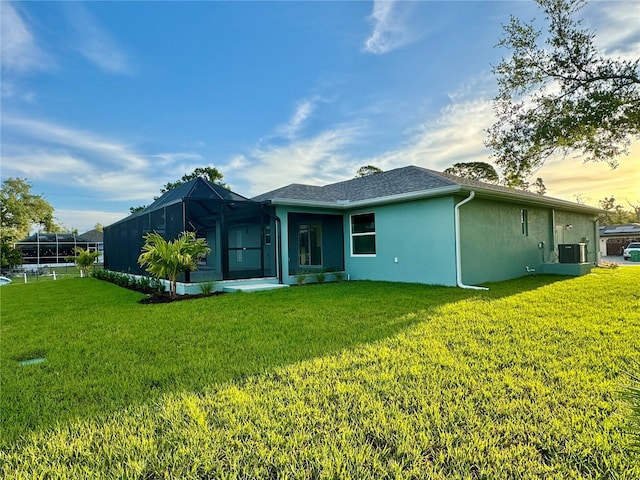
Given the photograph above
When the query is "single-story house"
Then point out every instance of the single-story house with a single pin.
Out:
(614, 238)
(52, 249)
(410, 224)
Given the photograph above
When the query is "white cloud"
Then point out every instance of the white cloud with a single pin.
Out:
(71, 157)
(457, 135)
(85, 220)
(318, 160)
(391, 28)
(303, 111)
(50, 133)
(237, 162)
(570, 176)
(94, 42)
(616, 26)
(41, 163)
(19, 51)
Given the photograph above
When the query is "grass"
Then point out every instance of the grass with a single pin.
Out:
(66, 272)
(349, 380)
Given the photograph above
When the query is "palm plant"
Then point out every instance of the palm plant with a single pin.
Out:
(84, 259)
(168, 259)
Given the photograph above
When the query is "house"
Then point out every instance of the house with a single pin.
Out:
(410, 224)
(52, 249)
(613, 238)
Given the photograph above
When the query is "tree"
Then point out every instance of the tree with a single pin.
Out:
(540, 187)
(168, 260)
(636, 211)
(367, 170)
(480, 171)
(84, 259)
(208, 173)
(137, 209)
(561, 95)
(11, 257)
(20, 210)
(615, 213)
(99, 227)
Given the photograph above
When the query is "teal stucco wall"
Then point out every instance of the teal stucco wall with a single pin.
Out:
(415, 241)
(494, 246)
(419, 234)
(576, 228)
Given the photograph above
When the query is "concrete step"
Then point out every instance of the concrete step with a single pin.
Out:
(253, 287)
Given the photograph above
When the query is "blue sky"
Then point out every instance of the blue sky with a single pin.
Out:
(105, 102)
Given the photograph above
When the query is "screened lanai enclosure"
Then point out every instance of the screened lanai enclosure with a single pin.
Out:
(241, 233)
(52, 249)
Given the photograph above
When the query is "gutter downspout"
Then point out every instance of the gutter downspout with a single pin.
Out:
(472, 194)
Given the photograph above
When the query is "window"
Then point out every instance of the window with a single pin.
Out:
(524, 222)
(363, 234)
(309, 244)
(267, 234)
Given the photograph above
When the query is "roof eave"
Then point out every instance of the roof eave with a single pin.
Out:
(542, 200)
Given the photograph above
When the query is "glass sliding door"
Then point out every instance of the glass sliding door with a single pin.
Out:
(310, 244)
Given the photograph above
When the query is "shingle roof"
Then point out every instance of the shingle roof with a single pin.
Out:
(404, 181)
(393, 182)
(93, 236)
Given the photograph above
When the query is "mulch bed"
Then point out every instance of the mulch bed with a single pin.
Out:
(165, 298)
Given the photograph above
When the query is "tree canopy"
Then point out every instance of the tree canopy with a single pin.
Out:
(558, 94)
(208, 173)
(616, 214)
(481, 171)
(20, 210)
(367, 170)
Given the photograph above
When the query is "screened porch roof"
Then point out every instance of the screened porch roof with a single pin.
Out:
(199, 189)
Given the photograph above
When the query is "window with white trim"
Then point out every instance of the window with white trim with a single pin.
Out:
(363, 234)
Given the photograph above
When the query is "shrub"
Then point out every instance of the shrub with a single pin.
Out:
(320, 276)
(84, 259)
(301, 277)
(142, 284)
(206, 287)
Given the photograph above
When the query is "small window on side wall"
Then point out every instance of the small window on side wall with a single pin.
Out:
(524, 222)
(363, 234)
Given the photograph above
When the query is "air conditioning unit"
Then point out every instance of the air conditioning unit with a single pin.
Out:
(572, 253)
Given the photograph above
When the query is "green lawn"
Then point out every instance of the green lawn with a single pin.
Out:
(62, 273)
(350, 380)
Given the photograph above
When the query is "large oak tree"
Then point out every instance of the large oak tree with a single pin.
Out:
(558, 94)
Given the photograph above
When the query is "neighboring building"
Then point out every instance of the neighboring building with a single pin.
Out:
(52, 249)
(613, 238)
(409, 224)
